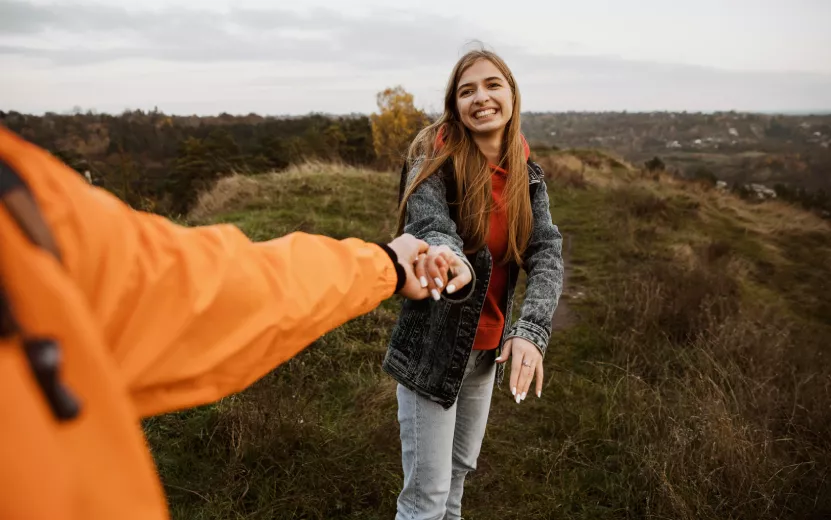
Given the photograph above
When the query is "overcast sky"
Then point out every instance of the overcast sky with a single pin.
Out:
(268, 57)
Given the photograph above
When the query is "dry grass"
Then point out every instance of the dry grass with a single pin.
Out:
(323, 168)
(716, 397)
(768, 218)
(239, 189)
(581, 168)
(226, 193)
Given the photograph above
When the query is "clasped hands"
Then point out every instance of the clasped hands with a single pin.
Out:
(430, 269)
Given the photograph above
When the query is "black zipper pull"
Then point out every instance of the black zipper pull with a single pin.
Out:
(45, 360)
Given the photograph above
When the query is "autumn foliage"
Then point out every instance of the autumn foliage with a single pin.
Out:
(395, 126)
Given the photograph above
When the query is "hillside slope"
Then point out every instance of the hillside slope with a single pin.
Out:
(693, 383)
(736, 147)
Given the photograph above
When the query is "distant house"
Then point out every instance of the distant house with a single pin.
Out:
(761, 191)
(733, 132)
(673, 144)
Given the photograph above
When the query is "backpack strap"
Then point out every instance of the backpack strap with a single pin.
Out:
(402, 183)
(535, 177)
(20, 204)
(43, 354)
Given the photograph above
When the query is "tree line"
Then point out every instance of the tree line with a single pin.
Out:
(158, 162)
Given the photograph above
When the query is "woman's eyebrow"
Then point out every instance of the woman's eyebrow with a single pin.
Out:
(469, 84)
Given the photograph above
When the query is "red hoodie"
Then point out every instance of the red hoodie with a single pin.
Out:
(492, 317)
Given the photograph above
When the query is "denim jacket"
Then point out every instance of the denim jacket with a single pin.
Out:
(432, 340)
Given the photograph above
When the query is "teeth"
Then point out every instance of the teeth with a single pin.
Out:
(483, 113)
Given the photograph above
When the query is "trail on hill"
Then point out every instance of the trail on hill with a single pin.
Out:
(563, 315)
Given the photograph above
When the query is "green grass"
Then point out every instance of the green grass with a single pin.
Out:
(691, 386)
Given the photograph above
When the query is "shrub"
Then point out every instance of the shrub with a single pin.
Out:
(654, 164)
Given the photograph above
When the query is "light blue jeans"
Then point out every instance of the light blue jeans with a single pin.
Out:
(439, 447)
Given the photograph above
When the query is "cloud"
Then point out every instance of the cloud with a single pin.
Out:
(239, 34)
(341, 59)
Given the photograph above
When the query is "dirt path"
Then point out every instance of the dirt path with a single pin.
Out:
(563, 316)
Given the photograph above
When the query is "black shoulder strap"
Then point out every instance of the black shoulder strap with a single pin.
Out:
(402, 183)
(9, 180)
(445, 170)
(535, 177)
(43, 354)
(17, 199)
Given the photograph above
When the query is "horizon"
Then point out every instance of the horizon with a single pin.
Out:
(93, 111)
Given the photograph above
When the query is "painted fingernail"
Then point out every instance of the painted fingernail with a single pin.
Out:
(517, 399)
(438, 282)
(513, 391)
(523, 395)
(435, 294)
(423, 281)
(451, 289)
(539, 394)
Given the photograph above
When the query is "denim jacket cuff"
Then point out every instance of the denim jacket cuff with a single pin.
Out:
(531, 332)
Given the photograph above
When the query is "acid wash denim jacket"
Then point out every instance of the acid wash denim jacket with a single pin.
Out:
(432, 340)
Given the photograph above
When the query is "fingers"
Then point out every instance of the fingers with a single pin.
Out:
(506, 352)
(412, 288)
(421, 270)
(525, 365)
(461, 273)
(437, 271)
(526, 374)
(423, 246)
(516, 369)
(431, 265)
(408, 247)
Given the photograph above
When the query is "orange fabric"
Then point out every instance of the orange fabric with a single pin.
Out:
(152, 317)
(492, 317)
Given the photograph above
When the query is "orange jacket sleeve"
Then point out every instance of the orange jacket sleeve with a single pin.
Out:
(194, 314)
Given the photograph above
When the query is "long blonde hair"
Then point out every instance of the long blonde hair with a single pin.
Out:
(472, 172)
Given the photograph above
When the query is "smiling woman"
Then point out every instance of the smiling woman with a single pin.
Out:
(471, 192)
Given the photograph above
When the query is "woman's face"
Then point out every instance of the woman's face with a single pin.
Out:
(484, 99)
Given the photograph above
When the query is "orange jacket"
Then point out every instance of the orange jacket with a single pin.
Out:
(151, 317)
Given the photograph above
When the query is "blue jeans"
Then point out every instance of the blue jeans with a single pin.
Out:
(439, 447)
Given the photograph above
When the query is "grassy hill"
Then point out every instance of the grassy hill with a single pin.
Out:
(693, 382)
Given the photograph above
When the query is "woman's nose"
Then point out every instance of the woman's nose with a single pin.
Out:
(481, 97)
